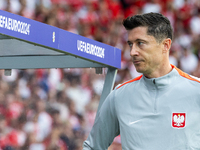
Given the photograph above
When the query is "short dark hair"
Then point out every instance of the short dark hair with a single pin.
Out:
(158, 25)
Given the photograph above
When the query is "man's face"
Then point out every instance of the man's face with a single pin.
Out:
(146, 52)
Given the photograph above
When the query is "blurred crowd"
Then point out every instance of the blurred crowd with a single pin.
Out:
(54, 109)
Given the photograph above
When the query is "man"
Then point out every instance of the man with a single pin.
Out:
(159, 110)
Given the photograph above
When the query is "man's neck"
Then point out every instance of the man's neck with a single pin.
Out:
(163, 70)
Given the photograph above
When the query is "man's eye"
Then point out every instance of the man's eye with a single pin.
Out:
(130, 45)
(140, 43)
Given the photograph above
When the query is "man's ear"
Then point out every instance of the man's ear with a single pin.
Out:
(166, 45)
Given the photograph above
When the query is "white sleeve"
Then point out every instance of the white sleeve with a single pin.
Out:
(105, 128)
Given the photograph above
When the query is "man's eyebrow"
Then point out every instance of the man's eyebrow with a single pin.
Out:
(136, 40)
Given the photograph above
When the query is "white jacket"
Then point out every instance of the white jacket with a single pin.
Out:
(150, 114)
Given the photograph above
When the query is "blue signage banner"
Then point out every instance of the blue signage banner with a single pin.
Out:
(38, 33)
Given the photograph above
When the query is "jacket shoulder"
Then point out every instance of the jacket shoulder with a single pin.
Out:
(130, 81)
(187, 76)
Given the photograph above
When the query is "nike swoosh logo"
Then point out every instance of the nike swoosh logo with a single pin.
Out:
(130, 123)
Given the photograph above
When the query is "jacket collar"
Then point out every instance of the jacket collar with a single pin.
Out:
(161, 82)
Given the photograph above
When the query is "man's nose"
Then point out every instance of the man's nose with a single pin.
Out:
(134, 51)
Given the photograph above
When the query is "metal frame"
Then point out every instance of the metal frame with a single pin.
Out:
(45, 46)
(108, 85)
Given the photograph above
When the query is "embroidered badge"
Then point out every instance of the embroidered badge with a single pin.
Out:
(178, 120)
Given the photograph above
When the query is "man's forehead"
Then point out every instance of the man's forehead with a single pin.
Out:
(137, 33)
